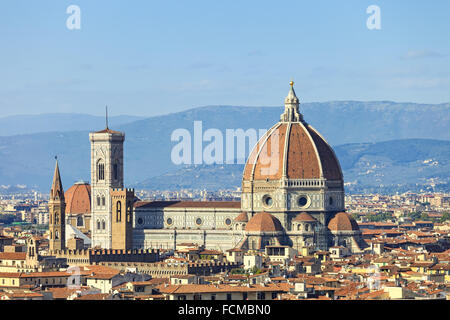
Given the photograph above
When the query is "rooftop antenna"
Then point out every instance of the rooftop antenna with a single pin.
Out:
(107, 117)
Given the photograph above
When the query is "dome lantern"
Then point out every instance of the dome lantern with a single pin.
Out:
(291, 107)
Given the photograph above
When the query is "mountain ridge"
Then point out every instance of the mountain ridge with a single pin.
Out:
(28, 158)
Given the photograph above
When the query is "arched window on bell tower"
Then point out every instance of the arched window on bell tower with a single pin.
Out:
(119, 211)
(100, 170)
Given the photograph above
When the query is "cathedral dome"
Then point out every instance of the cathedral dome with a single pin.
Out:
(343, 222)
(292, 149)
(304, 217)
(78, 198)
(263, 222)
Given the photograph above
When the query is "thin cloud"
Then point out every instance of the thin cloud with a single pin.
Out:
(422, 54)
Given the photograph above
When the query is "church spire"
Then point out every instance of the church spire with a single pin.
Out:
(291, 106)
(57, 192)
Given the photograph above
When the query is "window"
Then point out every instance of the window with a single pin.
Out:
(244, 296)
(103, 225)
(213, 296)
(197, 297)
(129, 211)
(228, 221)
(302, 201)
(267, 201)
(169, 221)
(274, 295)
(80, 221)
(98, 201)
(228, 296)
(331, 201)
(56, 234)
(198, 221)
(98, 224)
(261, 296)
(182, 297)
(119, 211)
(140, 221)
(103, 201)
(100, 170)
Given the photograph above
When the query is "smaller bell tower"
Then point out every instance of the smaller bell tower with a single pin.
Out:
(57, 210)
(122, 218)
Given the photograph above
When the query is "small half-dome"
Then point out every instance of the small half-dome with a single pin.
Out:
(343, 222)
(304, 217)
(263, 222)
(243, 217)
(78, 198)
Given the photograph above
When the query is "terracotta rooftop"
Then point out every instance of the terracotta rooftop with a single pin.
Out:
(263, 222)
(208, 288)
(308, 155)
(304, 217)
(243, 217)
(13, 255)
(78, 198)
(343, 222)
(188, 204)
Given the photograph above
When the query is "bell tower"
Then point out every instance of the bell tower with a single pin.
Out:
(57, 209)
(122, 219)
(106, 173)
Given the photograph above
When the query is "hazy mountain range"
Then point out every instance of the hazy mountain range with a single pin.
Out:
(357, 130)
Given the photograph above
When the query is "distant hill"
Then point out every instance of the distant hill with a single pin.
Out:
(26, 124)
(27, 159)
(409, 164)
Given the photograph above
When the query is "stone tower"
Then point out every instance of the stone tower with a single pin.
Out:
(57, 208)
(122, 218)
(106, 173)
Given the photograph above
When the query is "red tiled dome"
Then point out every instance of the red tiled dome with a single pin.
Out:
(304, 217)
(343, 222)
(308, 155)
(263, 222)
(78, 198)
(242, 217)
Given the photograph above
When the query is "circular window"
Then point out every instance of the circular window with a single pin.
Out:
(227, 221)
(267, 200)
(169, 221)
(302, 201)
(198, 221)
(140, 221)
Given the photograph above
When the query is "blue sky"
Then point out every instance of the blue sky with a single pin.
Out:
(155, 57)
